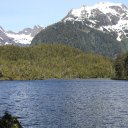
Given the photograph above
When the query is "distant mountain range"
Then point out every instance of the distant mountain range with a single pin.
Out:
(23, 37)
(101, 29)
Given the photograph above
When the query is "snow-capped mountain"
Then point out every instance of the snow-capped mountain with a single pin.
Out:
(104, 16)
(23, 37)
(100, 29)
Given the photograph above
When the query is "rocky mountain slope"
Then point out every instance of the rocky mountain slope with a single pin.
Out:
(104, 16)
(23, 37)
(100, 29)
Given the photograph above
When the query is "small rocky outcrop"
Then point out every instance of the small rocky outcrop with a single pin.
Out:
(8, 121)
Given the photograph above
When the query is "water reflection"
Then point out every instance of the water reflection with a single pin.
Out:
(66, 103)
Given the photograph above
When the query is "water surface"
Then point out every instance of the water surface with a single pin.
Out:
(66, 103)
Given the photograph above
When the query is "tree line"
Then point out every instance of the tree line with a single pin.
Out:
(51, 61)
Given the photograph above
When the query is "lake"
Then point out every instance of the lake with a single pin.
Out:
(66, 103)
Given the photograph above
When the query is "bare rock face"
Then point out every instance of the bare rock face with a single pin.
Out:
(31, 31)
(4, 39)
(113, 18)
(118, 9)
(100, 17)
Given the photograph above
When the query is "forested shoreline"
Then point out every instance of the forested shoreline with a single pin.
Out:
(49, 61)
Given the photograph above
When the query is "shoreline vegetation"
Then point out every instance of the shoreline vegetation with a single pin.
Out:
(8, 121)
(52, 61)
(121, 67)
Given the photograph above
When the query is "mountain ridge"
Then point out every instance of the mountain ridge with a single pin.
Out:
(104, 16)
(23, 37)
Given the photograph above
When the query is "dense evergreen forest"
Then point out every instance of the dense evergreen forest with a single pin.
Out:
(79, 35)
(51, 61)
(121, 67)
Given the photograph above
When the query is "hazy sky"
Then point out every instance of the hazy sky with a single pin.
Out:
(18, 14)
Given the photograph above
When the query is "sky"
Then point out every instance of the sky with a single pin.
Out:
(18, 14)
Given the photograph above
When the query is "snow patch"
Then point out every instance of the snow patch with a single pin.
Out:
(21, 38)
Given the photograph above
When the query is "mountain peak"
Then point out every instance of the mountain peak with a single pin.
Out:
(104, 16)
(37, 27)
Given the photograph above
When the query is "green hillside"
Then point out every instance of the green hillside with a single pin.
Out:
(79, 35)
(51, 61)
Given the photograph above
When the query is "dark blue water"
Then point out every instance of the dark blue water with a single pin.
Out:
(66, 103)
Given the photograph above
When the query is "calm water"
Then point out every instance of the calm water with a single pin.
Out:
(66, 103)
